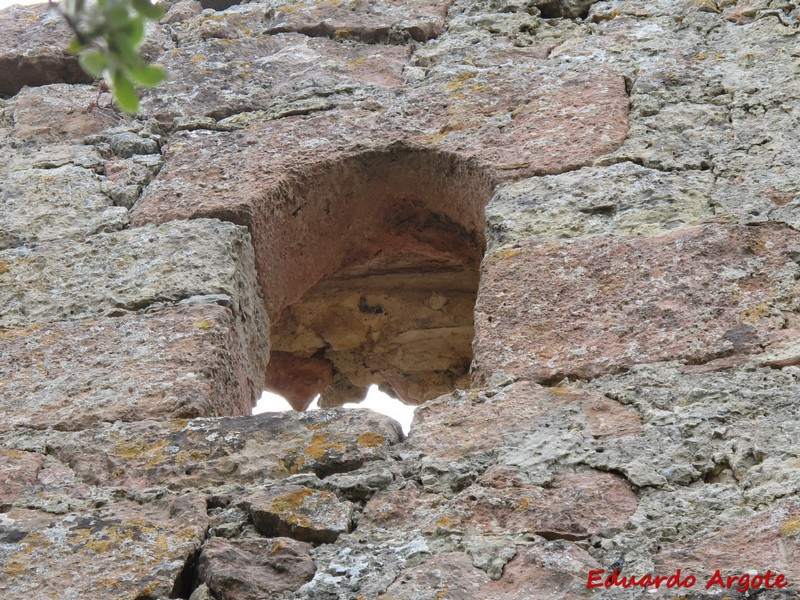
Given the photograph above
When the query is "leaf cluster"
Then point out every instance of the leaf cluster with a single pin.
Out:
(107, 36)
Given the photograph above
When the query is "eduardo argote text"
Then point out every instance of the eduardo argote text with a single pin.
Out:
(740, 582)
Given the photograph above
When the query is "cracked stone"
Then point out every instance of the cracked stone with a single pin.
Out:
(300, 513)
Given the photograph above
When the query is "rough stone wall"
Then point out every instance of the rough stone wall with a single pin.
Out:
(631, 171)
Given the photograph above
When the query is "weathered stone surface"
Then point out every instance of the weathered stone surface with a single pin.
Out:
(737, 425)
(769, 539)
(181, 11)
(222, 76)
(254, 569)
(125, 550)
(110, 274)
(449, 575)
(515, 122)
(18, 470)
(502, 501)
(384, 21)
(68, 201)
(129, 140)
(300, 513)
(33, 51)
(621, 199)
(544, 570)
(60, 112)
(464, 423)
(16, 156)
(176, 363)
(354, 165)
(206, 453)
(423, 351)
(379, 22)
(604, 304)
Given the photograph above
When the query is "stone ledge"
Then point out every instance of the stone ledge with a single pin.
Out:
(180, 362)
(112, 274)
(549, 310)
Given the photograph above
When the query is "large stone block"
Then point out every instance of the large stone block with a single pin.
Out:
(549, 310)
(48, 204)
(621, 199)
(175, 363)
(203, 453)
(112, 274)
(252, 569)
(33, 51)
(60, 112)
(220, 77)
(124, 550)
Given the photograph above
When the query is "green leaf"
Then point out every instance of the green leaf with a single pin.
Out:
(116, 16)
(75, 46)
(93, 62)
(147, 75)
(151, 11)
(124, 93)
(133, 32)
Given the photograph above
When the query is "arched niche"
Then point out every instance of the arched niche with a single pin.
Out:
(369, 269)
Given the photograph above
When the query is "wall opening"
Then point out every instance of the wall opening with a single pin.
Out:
(369, 267)
(375, 400)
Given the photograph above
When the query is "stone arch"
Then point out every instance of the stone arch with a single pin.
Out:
(368, 266)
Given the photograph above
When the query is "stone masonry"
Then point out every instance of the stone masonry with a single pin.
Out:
(566, 229)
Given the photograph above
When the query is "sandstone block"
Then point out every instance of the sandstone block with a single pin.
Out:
(18, 470)
(252, 569)
(33, 51)
(769, 539)
(552, 310)
(621, 199)
(449, 574)
(213, 452)
(502, 502)
(175, 363)
(300, 513)
(237, 75)
(68, 201)
(379, 22)
(60, 112)
(463, 423)
(554, 569)
(111, 274)
(124, 550)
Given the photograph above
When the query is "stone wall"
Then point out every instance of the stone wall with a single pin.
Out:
(604, 195)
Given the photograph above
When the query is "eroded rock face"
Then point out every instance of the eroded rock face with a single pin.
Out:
(253, 569)
(604, 304)
(33, 51)
(331, 187)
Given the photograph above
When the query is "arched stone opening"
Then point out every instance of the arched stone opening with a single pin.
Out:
(369, 268)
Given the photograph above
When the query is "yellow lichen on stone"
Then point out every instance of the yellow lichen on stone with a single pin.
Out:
(319, 445)
(204, 323)
(290, 501)
(507, 253)
(152, 452)
(789, 526)
(176, 425)
(97, 545)
(755, 312)
(370, 439)
(15, 565)
(523, 504)
(459, 80)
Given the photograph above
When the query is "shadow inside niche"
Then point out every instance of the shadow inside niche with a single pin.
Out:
(370, 276)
